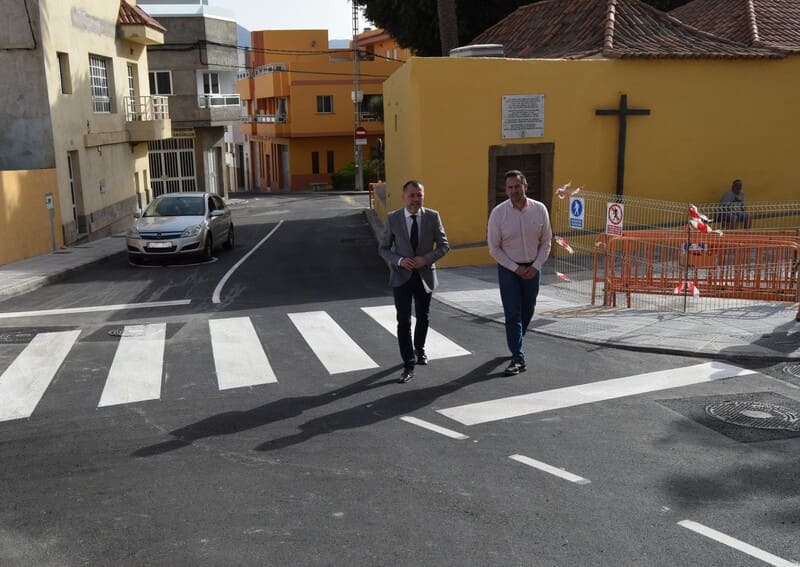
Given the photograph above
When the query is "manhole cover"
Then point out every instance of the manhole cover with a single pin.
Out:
(793, 370)
(755, 414)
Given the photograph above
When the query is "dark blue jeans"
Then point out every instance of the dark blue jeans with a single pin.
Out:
(414, 290)
(519, 300)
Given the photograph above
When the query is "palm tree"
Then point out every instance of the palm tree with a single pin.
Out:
(448, 25)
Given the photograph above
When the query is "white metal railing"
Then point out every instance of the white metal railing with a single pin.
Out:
(266, 119)
(246, 74)
(370, 117)
(271, 68)
(213, 100)
(146, 108)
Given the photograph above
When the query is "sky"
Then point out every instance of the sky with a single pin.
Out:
(336, 16)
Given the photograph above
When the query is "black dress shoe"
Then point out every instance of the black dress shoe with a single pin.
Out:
(422, 358)
(408, 374)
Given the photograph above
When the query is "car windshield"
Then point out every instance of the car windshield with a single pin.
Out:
(176, 207)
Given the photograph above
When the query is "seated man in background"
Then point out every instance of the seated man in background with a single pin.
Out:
(732, 208)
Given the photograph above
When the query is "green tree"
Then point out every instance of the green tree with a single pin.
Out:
(415, 25)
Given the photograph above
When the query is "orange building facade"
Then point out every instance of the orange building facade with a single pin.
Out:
(300, 114)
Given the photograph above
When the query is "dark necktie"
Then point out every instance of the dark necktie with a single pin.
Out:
(414, 233)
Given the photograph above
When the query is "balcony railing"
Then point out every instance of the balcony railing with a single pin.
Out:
(138, 108)
(371, 117)
(246, 74)
(271, 68)
(214, 100)
(265, 119)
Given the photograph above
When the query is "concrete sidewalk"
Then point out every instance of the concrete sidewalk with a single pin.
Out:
(766, 331)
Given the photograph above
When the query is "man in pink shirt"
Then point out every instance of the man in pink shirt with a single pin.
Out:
(519, 240)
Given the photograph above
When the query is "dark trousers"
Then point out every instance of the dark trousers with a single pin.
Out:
(519, 300)
(412, 290)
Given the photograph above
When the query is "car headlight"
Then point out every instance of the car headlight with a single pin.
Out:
(133, 233)
(192, 231)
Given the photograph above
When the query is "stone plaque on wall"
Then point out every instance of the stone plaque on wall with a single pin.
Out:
(523, 116)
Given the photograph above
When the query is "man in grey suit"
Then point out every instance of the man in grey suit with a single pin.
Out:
(412, 240)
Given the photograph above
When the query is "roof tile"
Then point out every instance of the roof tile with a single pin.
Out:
(574, 29)
(771, 23)
(134, 15)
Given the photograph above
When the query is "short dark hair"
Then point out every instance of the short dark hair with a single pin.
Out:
(413, 182)
(516, 173)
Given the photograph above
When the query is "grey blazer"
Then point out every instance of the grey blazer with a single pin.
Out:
(394, 244)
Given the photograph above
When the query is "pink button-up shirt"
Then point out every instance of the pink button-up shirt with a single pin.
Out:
(520, 235)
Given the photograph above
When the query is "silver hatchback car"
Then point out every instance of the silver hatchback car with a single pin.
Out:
(180, 224)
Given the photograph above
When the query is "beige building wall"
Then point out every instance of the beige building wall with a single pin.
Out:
(106, 190)
(711, 121)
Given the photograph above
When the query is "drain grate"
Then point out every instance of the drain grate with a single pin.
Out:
(792, 370)
(760, 415)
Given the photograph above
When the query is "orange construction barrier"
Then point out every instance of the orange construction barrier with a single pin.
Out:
(753, 265)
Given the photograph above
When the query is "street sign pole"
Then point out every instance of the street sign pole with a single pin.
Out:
(359, 173)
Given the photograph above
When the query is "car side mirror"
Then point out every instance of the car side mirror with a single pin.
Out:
(217, 213)
(137, 214)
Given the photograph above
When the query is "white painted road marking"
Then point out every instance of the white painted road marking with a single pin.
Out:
(549, 469)
(436, 345)
(435, 428)
(514, 406)
(135, 374)
(736, 544)
(239, 358)
(216, 296)
(95, 308)
(23, 383)
(334, 348)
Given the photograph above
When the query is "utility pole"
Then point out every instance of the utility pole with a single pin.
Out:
(357, 96)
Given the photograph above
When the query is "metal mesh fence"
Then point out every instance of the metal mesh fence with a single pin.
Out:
(644, 253)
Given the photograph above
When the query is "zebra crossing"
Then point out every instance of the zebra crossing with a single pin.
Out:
(136, 373)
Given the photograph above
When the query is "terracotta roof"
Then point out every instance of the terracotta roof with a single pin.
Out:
(772, 23)
(575, 29)
(134, 15)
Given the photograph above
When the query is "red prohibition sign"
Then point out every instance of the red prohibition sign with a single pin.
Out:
(615, 214)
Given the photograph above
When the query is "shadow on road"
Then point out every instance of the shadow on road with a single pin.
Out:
(382, 409)
(375, 411)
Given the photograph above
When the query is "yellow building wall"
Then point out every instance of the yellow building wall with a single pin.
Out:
(25, 227)
(711, 121)
(300, 158)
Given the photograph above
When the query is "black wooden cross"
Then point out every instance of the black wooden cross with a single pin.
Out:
(623, 112)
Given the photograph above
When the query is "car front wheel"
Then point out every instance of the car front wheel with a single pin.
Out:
(208, 249)
(229, 242)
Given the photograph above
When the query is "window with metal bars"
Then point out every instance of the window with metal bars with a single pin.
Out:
(98, 77)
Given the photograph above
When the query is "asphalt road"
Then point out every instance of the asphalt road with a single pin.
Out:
(317, 462)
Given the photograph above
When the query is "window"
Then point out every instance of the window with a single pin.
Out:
(314, 162)
(101, 90)
(133, 102)
(324, 104)
(63, 71)
(211, 83)
(160, 83)
(330, 161)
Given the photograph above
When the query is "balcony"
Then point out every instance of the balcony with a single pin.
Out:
(215, 100)
(271, 68)
(266, 119)
(147, 118)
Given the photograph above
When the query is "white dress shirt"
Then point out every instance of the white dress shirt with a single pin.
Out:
(520, 236)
